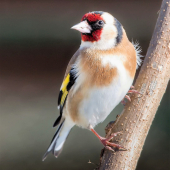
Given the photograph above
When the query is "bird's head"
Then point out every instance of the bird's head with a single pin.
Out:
(99, 30)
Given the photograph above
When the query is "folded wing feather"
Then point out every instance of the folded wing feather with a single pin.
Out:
(66, 86)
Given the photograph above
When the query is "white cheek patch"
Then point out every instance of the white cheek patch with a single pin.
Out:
(108, 37)
(108, 18)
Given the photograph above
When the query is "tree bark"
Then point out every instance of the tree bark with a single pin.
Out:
(137, 116)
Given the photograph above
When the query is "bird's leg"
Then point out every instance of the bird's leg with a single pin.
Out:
(106, 143)
(132, 90)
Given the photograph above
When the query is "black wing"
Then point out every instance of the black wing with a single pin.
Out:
(66, 86)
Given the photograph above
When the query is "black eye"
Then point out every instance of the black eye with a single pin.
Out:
(100, 22)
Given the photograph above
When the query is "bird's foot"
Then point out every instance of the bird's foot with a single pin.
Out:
(108, 145)
(106, 142)
(132, 90)
(123, 101)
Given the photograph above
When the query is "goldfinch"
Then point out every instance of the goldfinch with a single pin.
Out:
(97, 78)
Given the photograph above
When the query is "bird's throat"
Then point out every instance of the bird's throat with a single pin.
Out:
(94, 36)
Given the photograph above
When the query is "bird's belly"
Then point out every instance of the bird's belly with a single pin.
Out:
(101, 101)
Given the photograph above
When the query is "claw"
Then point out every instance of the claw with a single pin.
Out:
(123, 101)
(134, 91)
(127, 97)
(108, 145)
(116, 146)
(109, 148)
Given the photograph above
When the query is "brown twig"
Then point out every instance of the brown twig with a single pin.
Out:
(137, 117)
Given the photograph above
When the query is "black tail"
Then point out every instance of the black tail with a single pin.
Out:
(53, 142)
(59, 138)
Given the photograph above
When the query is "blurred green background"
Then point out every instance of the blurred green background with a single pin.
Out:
(36, 44)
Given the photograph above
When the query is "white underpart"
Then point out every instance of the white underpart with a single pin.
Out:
(102, 100)
(138, 55)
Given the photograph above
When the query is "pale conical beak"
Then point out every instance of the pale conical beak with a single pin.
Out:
(83, 27)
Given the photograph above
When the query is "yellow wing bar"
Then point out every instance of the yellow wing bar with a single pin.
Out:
(66, 86)
(64, 90)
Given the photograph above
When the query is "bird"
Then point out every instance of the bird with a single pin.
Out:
(97, 78)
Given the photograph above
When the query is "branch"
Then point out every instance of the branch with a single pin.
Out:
(137, 116)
